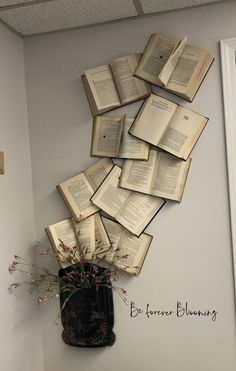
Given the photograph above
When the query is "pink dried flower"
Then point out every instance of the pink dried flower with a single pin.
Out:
(40, 300)
(125, 256)
(14, 285)
(12, 267)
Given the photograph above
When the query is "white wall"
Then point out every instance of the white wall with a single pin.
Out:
(20, 332)
(190, 258)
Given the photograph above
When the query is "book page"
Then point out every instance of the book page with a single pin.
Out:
(132, 147)
(138, 211)
(109, 197)
(155, 56)
(169, 176)
(77, 192)
(182, 132)
(107, 133)
(170, 65)
(85, 233)
(97, 172)
(114, 231)
(137, 174)
(153, 119)
(135, 248)
(102, 241)
(187, 67)
(64, 231)
(129, 87)
(103, 87)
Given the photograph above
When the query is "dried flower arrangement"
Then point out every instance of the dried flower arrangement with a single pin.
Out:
(46, 284)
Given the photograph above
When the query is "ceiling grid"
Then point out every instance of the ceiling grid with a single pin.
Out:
(30, 17)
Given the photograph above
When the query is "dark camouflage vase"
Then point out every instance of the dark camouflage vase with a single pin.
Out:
(88, 315)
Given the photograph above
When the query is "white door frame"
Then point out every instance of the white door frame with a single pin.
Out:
(228, 65)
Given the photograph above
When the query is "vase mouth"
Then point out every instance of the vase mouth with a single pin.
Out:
(87, 267)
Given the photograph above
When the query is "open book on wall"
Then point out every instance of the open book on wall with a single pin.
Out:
(168, 125)
(1, 162)
(112, 86)
(133, 210)
(174, 65)
(162, 175)
(77, 191)
(111, 138)
(90, 234)
(125, 243)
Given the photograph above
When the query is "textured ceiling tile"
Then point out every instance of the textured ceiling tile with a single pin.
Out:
(63, 14)
(13, 2)
(150, 6)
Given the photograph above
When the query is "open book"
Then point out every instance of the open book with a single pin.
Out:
(77, 191)
(162, 175)
(111, 139)
(133, 210)
(108, 87)
(174, 65)
(1, 163)
(125, 243)
(90, 234)
(168, 125)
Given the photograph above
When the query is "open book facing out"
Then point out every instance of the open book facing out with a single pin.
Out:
(168, 125)
(111, 138)
(174, 65)
(125, 243)
(112, 86)
(162, 175)
(133, 210)
(77, 191)
(89, 233)
(1, 162)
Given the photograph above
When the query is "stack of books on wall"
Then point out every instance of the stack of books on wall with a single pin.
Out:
(155, 146)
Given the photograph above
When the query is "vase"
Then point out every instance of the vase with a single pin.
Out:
(88, 315)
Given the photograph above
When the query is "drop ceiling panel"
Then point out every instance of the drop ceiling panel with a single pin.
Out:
(151, 6)
(13, 2)
(63, 14)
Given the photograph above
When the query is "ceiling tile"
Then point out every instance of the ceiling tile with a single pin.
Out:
(150, 6)
(13, 2)
(63, 14)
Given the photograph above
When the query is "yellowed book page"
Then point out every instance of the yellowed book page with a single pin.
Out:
(135, 248)
(85, 232)
(155, 56)
(169, 176)
(132, 147)
(77, 192)
(187, 69)
(64, 231)
(103, 87)
(90, 97)
(137, 174)
(170, 65)
(129, 87)
(107, 133)
(138, 211)
(114, 231)
(152, 122)
(182, 132)
(109, 197)
(1, 162)
(102, 241)
(97, 172)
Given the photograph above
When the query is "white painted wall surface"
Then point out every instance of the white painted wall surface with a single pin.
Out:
(20, 348)
(190, 257)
